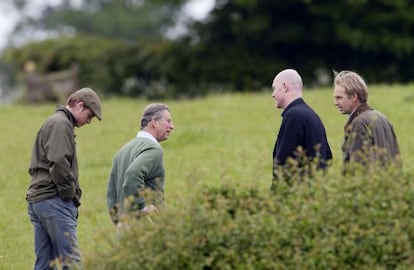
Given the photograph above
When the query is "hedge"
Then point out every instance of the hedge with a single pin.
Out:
(363, 221)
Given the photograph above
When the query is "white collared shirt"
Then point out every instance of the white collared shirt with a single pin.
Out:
(144, 134)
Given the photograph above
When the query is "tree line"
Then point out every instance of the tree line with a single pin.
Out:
(123, 47)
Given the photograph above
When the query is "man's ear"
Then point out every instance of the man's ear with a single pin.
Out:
(285, 87)
(354, 97)
(79, 105)
(153, 122)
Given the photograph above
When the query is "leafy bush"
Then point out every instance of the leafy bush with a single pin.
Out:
(112, 67)
(99, 60)
(363, 221)
(107, 65)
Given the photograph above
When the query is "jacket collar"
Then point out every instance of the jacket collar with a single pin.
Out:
(68, 114)
(362, 108)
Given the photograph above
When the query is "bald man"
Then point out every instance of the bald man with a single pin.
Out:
(302, 135)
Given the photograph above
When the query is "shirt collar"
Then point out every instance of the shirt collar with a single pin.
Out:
(144, 134)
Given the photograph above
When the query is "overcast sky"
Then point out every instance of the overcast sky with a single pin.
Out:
(196, 8)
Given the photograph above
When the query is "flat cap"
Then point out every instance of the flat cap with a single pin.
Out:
(90, 99)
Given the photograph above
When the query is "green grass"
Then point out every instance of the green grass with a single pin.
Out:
(220, 139)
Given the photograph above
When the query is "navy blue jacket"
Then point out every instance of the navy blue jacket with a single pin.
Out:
(301, 126)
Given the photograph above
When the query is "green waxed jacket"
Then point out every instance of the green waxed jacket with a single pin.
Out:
(53, 166)
(137, 166)
(369, 137)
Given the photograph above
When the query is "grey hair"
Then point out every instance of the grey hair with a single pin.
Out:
(153, 111)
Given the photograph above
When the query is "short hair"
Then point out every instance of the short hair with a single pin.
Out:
(153, 111)
(353, 84)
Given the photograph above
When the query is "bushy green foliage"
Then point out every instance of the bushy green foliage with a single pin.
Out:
(112, 67)
(239, 47)
(251, 38)
(103, 64)
(363, 221)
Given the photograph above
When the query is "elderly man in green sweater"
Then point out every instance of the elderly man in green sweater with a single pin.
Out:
(138, 166)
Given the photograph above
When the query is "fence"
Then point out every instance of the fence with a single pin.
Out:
(53, 86)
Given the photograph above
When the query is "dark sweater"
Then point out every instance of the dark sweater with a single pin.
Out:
(301, 127)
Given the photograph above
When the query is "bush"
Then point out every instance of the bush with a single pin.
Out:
(363, 221)
(104, 64)
(112, 67)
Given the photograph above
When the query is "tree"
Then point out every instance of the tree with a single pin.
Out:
(251, 40)
(130, 20)
(242, 44)
(118, 45)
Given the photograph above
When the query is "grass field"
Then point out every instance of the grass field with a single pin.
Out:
(218, 139)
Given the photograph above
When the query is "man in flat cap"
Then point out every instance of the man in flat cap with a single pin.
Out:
(54, 193)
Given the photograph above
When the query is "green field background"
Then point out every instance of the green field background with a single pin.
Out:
(219, 139)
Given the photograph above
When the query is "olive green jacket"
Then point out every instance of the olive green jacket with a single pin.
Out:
(369, 138)
(138, 166)
(53, 166)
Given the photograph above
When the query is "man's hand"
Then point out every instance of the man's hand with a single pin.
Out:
(113, 213)
(150, 209)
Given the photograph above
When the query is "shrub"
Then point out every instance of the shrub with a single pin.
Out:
(363, 221)
(112, 67)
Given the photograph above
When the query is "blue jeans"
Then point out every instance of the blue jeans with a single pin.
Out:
(55, 234)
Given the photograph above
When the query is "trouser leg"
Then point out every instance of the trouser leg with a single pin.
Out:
(44, 252)
(59, 218)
